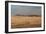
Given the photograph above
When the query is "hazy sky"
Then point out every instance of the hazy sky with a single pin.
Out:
(25, 10)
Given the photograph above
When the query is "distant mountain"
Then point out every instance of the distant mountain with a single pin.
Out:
(26, 15)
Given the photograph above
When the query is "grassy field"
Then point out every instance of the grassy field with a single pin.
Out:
(25, 21)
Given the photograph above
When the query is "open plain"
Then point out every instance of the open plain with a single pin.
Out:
(25, 21)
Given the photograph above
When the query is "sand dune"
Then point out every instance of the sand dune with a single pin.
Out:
(25, 21)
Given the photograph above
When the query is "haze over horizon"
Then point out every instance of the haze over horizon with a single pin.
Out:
(25, 10)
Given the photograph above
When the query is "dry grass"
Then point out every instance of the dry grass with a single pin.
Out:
(25, 21)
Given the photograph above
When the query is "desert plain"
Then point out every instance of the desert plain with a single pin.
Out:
(25, 21)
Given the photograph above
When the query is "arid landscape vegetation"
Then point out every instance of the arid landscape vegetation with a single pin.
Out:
(23, 16)
(25, 21)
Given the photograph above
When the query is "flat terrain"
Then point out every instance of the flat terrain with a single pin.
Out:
(25, 21)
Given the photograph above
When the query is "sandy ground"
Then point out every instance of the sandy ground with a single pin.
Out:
(25, 21)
